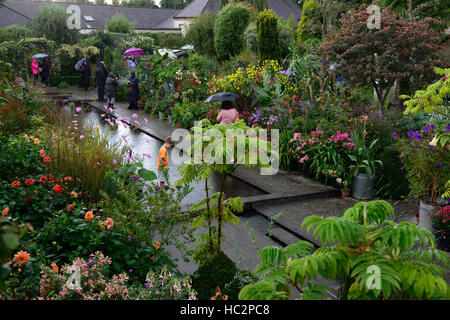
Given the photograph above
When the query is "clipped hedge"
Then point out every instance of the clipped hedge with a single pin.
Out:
(267, 38)
(228, 30)
(216, 272)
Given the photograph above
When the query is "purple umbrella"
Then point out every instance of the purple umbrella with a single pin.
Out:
(134, 52)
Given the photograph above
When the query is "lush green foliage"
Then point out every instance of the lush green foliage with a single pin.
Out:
(228, 30)
(353, 246)
(119, 23)
(51, 23)
(217, 271)
(267, 38)
(201, 34)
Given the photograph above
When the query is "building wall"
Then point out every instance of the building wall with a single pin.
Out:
(182, 24)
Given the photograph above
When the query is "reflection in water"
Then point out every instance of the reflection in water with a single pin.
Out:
(141, 144)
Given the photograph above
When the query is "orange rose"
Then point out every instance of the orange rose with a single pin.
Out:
(89, 216)
(158, 245)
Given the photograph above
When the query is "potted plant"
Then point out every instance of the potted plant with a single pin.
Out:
(363, 167)
(346, 185)
(425, 164)
(440, 220)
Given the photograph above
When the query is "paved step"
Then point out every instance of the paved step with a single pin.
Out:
(291, 214)
(282, 236)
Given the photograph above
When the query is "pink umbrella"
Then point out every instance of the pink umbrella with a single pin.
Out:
(134, 52)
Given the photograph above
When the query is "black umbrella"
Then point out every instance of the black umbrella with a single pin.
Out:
(222, 96)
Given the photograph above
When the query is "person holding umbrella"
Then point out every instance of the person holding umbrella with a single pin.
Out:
(133, 91)
(228, 114)
(85, 75)
(45, 72)
(100, 78)
(34, 70)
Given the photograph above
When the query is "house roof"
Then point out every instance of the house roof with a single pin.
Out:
(197, 7)
(20, 12)
(282, 8)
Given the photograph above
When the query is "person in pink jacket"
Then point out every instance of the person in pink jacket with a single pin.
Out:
(34, 70)
(228, 114)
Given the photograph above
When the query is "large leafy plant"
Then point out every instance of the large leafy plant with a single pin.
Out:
(364, 239)
(201, 166)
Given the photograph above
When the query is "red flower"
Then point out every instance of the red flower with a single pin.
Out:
(27, 199)
(69, 207)
(57, 188)
(47, 160)
(29, 182)
(43, 179)
(15, 183)
(67, 178)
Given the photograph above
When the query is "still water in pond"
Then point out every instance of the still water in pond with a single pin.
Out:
(142, 143)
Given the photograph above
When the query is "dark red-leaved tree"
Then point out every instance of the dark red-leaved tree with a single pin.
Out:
(401, 49)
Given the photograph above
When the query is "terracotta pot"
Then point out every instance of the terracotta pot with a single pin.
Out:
(345, 193)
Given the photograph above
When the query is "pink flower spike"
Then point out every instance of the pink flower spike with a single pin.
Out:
(147, 155)
(145, 119)
(134, 115)
(103, 115)
(78, 109)
(110, 110)
(137, 122)
(106, 108)
(81, 137)
(115, 161)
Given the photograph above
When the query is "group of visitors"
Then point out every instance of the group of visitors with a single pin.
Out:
(42, 69)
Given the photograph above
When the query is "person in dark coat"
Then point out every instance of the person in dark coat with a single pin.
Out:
(110, 89)
(85, 75)
(133, 91)
(45, 72)
(100, 78)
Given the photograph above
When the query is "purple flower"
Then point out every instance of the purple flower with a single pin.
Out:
(432, 148)
(116, 169)
(147, 285)
(129, 238)
(135, 177)
(131, 270)
(439, 165)
(402, 168)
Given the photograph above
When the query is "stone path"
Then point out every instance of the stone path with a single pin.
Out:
(241, 244)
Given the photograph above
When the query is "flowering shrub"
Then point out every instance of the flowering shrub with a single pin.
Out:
(326, 155)
(166, 286)
(241, 81)
(424, 163)
(95, 284)
(185, 115)
(441, 219)
(34, 199)
(77, 231)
